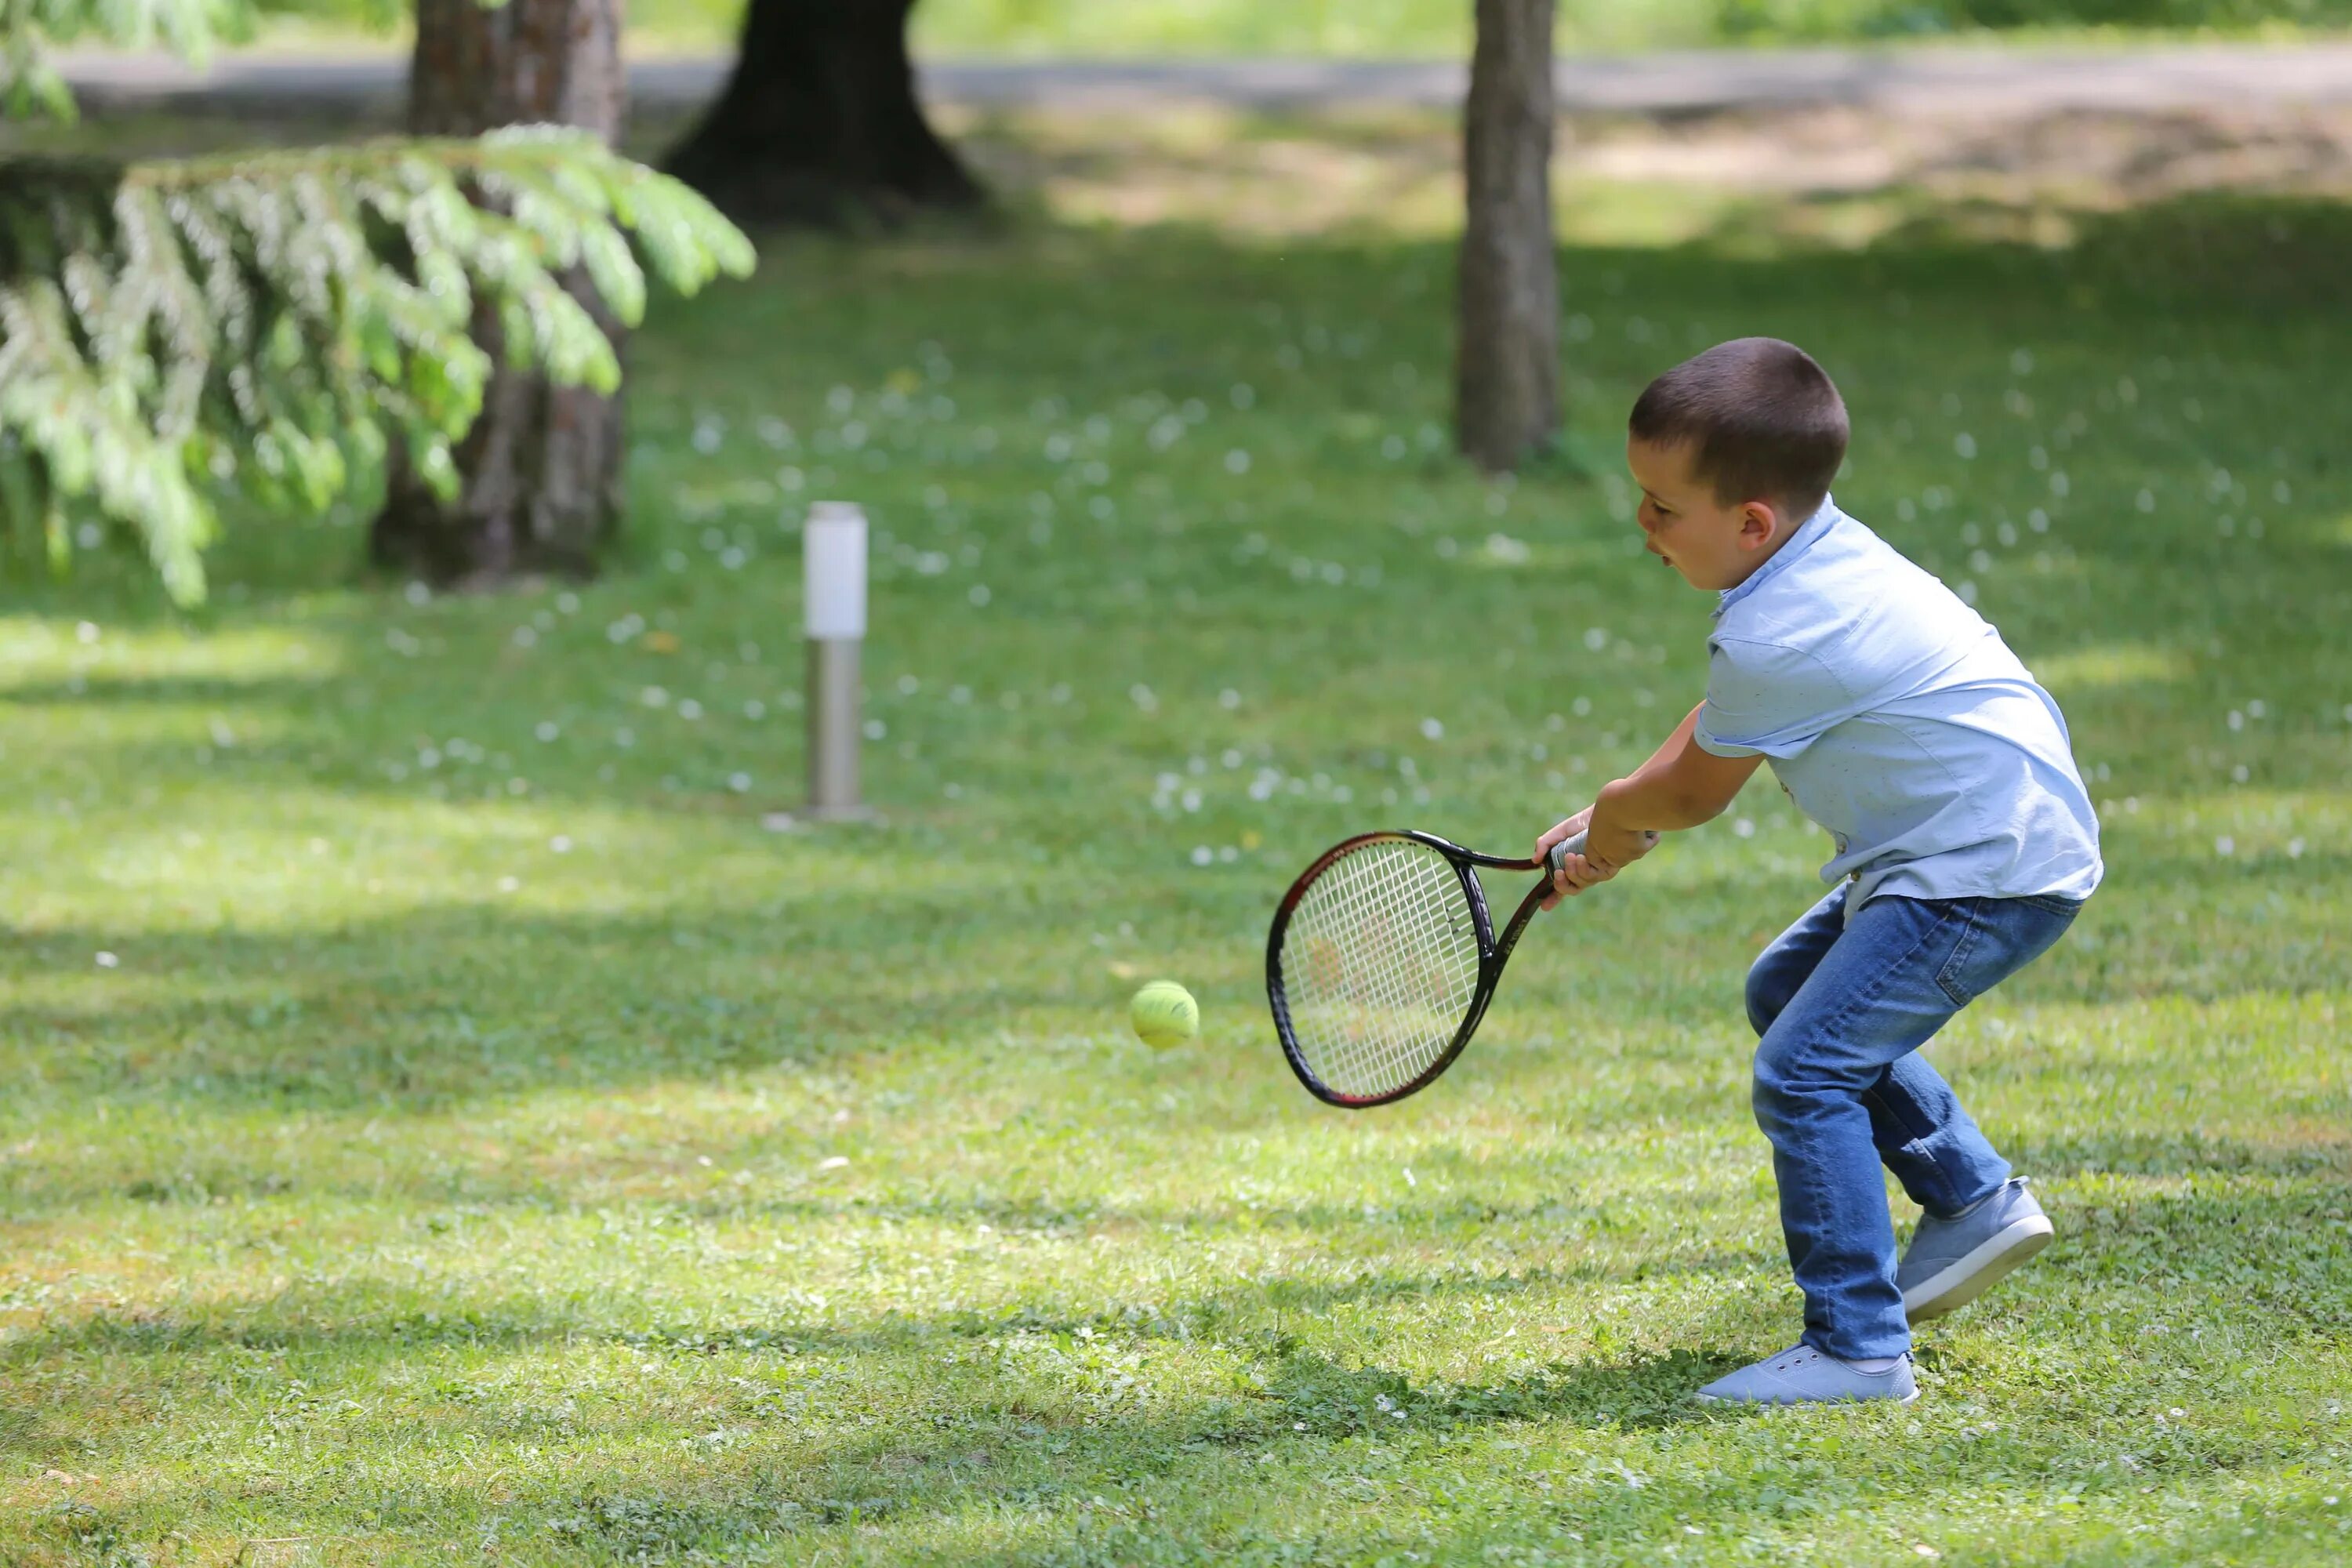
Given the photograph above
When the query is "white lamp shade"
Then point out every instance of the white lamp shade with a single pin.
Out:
(834, 570)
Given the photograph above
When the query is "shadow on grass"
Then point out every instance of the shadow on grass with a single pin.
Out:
(1024, 1420)
(1026, 1451)
(278, 693)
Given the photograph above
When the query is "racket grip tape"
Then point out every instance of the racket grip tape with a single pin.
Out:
(1556, 858)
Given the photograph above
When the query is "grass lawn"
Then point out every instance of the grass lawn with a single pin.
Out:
(440, 1123)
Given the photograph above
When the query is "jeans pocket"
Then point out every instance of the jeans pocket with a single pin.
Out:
(2001, 937)
(1954, 974)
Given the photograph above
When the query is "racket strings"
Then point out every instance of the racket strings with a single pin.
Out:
(1380, 965)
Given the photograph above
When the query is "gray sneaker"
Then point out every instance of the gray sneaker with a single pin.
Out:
(1804, 1375)
(1951, 1262)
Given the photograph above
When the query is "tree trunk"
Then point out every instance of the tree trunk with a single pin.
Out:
(1507, 365)
(820, 120)
(541, 468)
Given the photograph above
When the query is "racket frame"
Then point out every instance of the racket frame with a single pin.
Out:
(1493, 952)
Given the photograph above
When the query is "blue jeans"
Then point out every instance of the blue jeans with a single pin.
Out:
(1841, 1010)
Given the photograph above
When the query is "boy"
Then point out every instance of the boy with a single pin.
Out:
(1897, 718)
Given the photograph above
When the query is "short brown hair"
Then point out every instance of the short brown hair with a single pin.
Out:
(1764, 421)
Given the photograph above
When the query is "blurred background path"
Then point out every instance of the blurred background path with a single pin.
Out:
(1937, 79)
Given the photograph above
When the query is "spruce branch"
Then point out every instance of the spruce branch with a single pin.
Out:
(269, 322)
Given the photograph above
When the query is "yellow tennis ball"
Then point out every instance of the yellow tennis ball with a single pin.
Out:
(1165, 1014)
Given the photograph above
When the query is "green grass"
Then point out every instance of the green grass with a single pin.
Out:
(441, 1123)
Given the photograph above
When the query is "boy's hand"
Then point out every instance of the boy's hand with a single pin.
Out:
(1607, 851)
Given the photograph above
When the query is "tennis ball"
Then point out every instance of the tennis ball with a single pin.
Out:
(1165, 1014)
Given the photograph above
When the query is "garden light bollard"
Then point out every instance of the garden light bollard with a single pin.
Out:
(834, 581)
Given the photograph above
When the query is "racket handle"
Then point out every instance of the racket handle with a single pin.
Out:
(1573, 843)
(1557, 857)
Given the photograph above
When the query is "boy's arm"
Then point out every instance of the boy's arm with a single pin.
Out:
(1682, 785)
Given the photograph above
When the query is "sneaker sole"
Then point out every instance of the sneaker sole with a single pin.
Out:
(1910, 1398)
(1992, 1261)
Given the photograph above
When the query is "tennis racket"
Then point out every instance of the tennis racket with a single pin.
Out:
(1383, 957)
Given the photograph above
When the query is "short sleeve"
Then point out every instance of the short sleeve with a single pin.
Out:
(1765, 698)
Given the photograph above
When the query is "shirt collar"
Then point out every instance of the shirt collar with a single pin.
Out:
(1808, 532)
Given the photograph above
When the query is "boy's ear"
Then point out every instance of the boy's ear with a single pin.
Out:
(1759, 524)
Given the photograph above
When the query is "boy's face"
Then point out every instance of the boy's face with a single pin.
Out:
(1713, 544)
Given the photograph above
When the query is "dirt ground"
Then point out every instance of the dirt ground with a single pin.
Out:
(1842, 172)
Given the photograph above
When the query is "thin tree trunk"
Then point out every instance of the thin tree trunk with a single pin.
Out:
(820, 120)
(1507, 364)
(541, 467)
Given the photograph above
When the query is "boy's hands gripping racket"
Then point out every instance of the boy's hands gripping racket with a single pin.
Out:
(1383, 959)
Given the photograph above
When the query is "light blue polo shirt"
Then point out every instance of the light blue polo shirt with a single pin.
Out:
(1896, 718)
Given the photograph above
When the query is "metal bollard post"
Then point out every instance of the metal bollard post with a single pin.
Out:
(834, 583)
